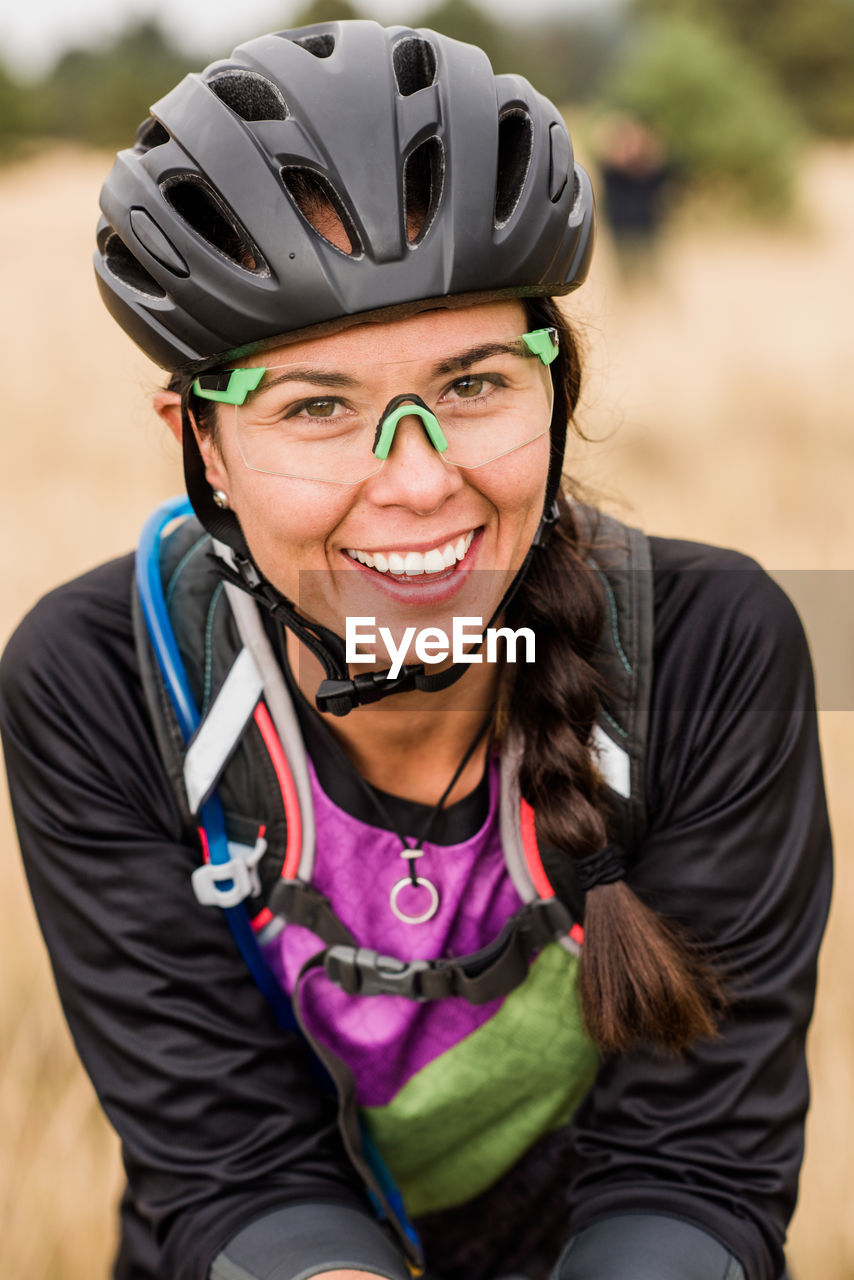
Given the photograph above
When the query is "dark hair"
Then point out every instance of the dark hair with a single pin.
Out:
(640, 978)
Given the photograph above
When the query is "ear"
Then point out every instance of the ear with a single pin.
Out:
(167, 406)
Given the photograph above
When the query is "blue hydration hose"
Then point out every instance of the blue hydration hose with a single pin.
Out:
(150, 587)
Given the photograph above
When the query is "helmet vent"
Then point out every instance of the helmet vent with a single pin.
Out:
(322, 207)
(423, 179)
(321, 45)
(250, 96)
(515, 147)
(192, 198)
(150, 133)
(121, 263)
(576, 193)
(414, 62)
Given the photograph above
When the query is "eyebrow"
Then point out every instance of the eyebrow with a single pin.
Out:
(323, 378)
(465, 359)
(475, 354)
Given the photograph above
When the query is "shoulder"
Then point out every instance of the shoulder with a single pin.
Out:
(732, 699)
(712, 603)
(76, 728)
(76, 628)
(69, 679)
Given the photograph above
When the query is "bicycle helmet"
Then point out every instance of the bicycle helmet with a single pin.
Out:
(205, 248)
(449, 185)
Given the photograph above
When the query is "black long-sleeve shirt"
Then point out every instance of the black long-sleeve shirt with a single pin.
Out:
(220, 1118)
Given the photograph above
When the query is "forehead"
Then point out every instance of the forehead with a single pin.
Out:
(428, 335)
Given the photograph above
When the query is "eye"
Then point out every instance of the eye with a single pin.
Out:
(472, 386)
(325, 408)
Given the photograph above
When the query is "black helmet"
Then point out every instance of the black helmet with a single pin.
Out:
(449, 182)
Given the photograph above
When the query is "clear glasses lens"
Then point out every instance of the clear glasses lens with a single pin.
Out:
(317, 422)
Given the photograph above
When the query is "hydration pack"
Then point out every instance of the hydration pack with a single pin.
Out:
(231, 743)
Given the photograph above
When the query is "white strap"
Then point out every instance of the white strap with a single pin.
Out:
(509, 802)
(219, 732)
(613, 762)
(278, 699)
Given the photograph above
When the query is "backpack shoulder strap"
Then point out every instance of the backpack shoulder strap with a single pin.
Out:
(620, 555)
(240, 713)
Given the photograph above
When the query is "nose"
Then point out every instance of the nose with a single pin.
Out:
(413, 473)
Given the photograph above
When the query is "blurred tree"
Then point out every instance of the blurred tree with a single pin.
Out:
(463, 20)
(101, 95)
(722, 120)
(568, 60)
(809, 44)
(564, 58)
(323, 11)
(16, 114)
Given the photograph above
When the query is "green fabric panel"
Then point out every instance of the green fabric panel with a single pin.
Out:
(469, 1115)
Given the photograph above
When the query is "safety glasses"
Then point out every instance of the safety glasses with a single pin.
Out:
(331, 422)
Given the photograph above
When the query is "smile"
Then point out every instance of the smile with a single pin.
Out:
(410, 564)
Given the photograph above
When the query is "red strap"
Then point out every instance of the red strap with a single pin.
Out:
(262, 919)
(288, 789)
(536, 870)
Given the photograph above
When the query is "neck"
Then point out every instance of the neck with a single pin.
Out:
(411, 743)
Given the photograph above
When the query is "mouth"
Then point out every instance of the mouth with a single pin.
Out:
(434, 563)
(430, 576)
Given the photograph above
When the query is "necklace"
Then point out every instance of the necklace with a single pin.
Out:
(411, 852)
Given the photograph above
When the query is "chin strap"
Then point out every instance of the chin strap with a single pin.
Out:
(339, 693)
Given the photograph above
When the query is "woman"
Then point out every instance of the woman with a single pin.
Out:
(343, 241)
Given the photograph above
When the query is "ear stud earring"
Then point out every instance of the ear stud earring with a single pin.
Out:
(220, 497)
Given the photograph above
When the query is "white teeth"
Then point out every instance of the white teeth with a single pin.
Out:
(434, 561)
(413, 563)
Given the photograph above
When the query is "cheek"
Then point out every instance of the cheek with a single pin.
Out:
(516, 484)
(286, 523)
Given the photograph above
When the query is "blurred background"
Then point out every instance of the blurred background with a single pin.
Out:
(718, 334)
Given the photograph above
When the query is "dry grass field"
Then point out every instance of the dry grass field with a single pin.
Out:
(723, 386)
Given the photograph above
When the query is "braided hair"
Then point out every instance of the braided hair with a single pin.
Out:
(640, 978)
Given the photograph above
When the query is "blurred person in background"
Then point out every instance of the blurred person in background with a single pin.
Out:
(637, 179)
(516, 980)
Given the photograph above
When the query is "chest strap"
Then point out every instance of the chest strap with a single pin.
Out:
(484, 975)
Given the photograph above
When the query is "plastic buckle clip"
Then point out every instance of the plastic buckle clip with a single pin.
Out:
(241, 869)
(363, 972)
(339, 697)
